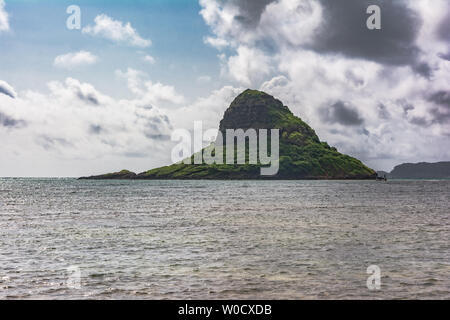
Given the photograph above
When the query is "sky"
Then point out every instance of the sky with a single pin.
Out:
(108, 96)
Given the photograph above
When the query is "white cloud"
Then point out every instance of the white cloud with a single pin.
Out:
(116, 31)
(150, 92)
(221, 17)
(209, 109)
(398, 119)
(149, 59)
(73, 129)
(75, 92)
(75, 59)
(217, 43)
(290, 22)
(158, 92)
(204, 79)
(76, 130)
(134, 79)
(390, 106)
(7, 89)
(284, 22)
(4, 18)
(248, 66)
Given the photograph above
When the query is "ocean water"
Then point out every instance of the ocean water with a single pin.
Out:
(69, 239)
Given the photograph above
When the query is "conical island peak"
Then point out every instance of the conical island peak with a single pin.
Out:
(301, 153)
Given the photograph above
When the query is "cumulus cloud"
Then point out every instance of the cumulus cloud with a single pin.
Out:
(441, 113)
(324, 26)
(248, 66)
(441, 97)
(158, 92)
(134, 79)
(204, 79)
(117, 31)
(149, 59)
(6, 89)
(100, 133)
(73, 121)
(4, 18)
(78, 93)
(380, 95)
(75, 59)
(209, 109)
(151, 92)
(343, 31)
(7, 121)
(342, 113)
(250, 11)
(444, 25)
(216, 42)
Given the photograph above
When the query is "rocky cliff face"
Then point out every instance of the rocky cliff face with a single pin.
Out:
(258, 110)
(302, 154)
(252, 109)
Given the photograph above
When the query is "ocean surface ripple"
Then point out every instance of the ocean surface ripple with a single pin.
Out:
(224, 239)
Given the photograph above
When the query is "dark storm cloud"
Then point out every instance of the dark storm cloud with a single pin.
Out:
(250, 11)
(341, 113)
(383, 113)
(357, 81)
(89, 98)
(156, 127)
(440, 116)
(423, 69)
(441, 98)
(95, 129)
(52, 143)
(344, 31)
(419, 121)
(159, 137)
(406, 106)
(445, 56)
(443, 30)
(7, 121)
(153, 130)
(6, 91)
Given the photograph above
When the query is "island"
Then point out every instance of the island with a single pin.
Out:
(422, 170)
(302, 156)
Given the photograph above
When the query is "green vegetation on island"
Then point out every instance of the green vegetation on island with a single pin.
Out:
(422, 170)
(301, 155)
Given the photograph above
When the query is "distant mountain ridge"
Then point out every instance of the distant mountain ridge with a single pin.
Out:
(301, 154)
(422, 170)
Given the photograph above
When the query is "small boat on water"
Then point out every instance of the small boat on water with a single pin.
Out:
(384, 178)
